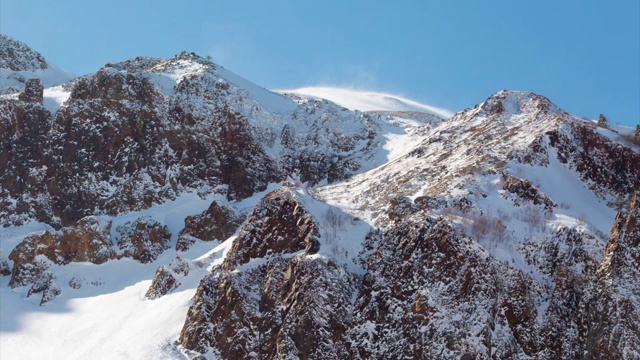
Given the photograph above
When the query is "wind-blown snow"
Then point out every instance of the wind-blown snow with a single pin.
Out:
(367, 100)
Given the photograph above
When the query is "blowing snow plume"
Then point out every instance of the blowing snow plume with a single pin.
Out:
(368, 101)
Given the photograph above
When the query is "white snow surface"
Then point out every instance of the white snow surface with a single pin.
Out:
(15, 80)
(53, 98)
(367, 100)
(108, 317)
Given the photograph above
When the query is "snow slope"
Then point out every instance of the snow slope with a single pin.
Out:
(109, 316)
(367, 100)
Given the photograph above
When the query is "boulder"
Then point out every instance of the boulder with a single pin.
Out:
(143, 240)
(33, 91)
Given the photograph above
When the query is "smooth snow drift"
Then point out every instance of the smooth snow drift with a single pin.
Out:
(367, 101)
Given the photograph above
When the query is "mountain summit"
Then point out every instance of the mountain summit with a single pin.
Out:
(18, 63)
(169, 208)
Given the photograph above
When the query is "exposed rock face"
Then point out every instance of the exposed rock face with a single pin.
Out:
(166, 278)
(608, 166)
(125, 140)
(277, 225)
(422, 276)
(89, 240)
(19, 63)
(143, 240)
(33, 91)
(216, 223)
(526, 191)
(285, 308)
(24, 162)
(139, 132)
(241, 314)
(611, 325)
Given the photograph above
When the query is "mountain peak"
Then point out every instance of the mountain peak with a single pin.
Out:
(517, 101)
(17, 56)
(19, 63)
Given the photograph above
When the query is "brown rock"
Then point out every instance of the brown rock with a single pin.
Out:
(143, 240)
(89, 240)
(166, 278)
(526, 191)
(33, 91)
(216, 223)
(277, 225)
(611, 321)
(276, 310)
(608, 166)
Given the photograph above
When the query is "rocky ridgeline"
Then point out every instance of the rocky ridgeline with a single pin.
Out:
(125, 140)
(432, 283)
(16, 56)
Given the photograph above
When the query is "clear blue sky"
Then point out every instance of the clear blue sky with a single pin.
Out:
(584, 55)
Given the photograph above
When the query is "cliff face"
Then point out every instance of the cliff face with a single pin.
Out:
(610, 327)
(271, 298)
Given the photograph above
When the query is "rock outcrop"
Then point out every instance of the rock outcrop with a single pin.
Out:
(167, 278)
(526, 191)
(279, 306)
(89, 240)
(610, 327)
(17, 56)
(218, 222)
(33, 91)
(607, 166)
(143, 240)
(278, 225)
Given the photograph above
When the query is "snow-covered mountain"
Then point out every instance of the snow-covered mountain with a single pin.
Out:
(18, 63)
(168, 208)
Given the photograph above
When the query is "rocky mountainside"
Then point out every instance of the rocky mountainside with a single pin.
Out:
(172, 209)
(19, 63)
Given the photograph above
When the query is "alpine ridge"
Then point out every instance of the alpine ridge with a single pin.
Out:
(169, 208)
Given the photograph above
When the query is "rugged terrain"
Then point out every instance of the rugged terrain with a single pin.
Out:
(168, 208)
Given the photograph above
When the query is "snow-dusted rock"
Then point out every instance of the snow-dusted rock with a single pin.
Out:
(33, 91)
(611, 323)
(278, 225)
(19, 63)
(89, 240)
(166, 278)
(218, 222)
(143, 240)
